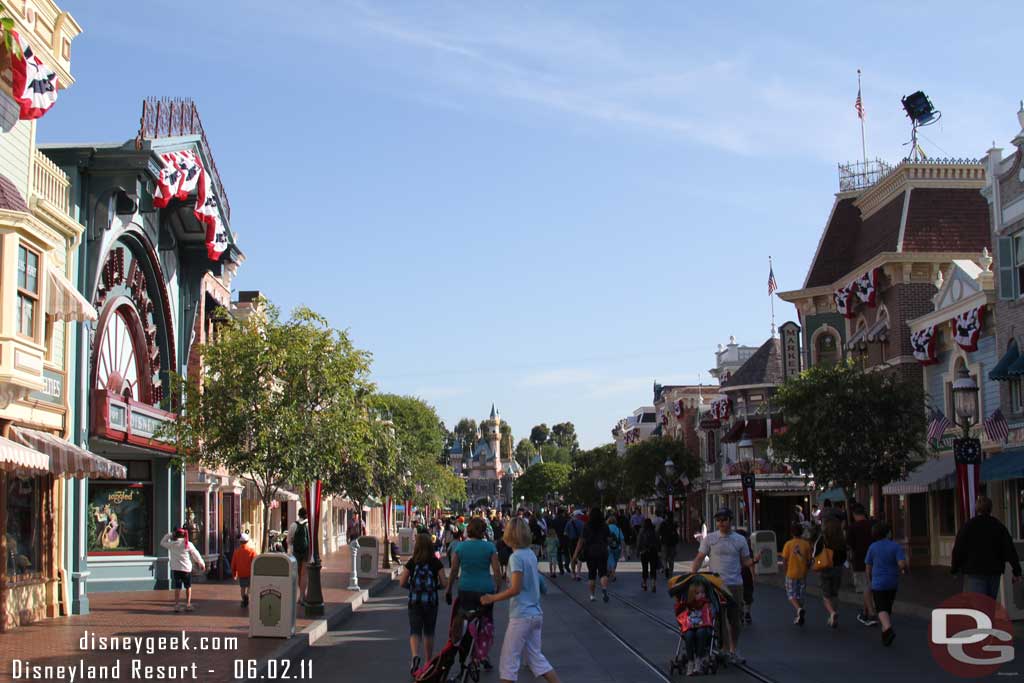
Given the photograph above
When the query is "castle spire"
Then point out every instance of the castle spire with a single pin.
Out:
(494, 413)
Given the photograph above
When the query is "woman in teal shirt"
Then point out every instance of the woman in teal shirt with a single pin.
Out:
(475, 568)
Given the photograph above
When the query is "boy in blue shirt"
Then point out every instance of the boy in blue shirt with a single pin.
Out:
(884, 563)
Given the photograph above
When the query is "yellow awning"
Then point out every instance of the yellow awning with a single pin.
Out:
(65, 302)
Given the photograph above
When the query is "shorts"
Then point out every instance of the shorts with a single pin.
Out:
(470, 601)
(860, 581)
(422, 619)
(244, 581)
(795, 588)
(883, 600)
(830, 580)
(181, 579)
(597, 568)
(301, 559)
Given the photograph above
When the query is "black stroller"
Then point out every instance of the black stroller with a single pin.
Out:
(719, 599)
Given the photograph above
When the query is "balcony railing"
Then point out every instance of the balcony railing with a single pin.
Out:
(49, 182)
(857, 175)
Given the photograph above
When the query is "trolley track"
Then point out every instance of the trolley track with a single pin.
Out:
(655, 667)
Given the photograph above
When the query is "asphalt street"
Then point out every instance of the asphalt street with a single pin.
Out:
(627, 640)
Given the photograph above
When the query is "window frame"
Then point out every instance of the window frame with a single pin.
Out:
(26, 294)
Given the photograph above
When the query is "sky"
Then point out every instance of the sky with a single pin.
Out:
(547, 206)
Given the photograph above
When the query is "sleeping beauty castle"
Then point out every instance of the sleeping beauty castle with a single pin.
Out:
(488, 476)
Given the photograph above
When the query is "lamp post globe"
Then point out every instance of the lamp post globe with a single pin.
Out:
(965, 398)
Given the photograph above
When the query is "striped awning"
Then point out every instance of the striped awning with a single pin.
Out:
(14, 457)
(878, 332)
(921, 479)
(65, 458)
(65, 302)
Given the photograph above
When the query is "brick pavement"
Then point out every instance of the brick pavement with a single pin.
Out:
(145, 614)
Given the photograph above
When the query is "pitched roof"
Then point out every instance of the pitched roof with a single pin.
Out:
(938, 219)
(764, 367)
(10, 198)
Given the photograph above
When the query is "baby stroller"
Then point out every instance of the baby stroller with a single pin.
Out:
(719, 599)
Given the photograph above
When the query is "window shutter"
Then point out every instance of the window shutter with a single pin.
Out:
(1006, 278)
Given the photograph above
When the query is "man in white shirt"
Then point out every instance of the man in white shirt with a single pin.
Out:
(729, 553)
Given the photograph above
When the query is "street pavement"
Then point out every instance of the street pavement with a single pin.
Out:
(626, 640)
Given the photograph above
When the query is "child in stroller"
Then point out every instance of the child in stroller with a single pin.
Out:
(699, 601)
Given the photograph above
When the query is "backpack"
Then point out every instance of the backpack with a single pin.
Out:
(423, 585)
(300, 542)
(614, 545)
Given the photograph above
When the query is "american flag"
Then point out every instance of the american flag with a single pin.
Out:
(938, 426)
(772, 284)
(859, 105)
(996, 427)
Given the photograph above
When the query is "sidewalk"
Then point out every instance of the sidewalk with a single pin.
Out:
(218, 615)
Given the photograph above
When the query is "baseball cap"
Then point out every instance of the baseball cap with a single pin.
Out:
(723, 513)
(244, 537)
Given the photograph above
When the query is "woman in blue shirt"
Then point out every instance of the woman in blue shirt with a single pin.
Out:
(525, 618)
(475, 568)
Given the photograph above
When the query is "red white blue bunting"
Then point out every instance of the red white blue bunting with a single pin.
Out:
(844, 301)
(720, 409)
(923, 344)
(33, 84)
(181, 174)
(967, 328)
(866, 287)
(678, 408)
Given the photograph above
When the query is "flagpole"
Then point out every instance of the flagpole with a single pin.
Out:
(863, 147)
(771, 297)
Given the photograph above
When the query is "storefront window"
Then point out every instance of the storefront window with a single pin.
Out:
(195, 517)
(119, 517)
(946, 502)
(28, 291)
(24, 537)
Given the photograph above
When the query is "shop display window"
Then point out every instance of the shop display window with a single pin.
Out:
(119, 519)
(946, 502)
(24, 534)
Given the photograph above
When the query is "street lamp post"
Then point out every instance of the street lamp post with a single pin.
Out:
(601, 486)
(966, 449)
(670, 478)
(746, 448)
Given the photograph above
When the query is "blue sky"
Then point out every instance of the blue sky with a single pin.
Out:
(544, 205)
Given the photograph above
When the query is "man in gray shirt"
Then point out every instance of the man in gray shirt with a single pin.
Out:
(729, 553)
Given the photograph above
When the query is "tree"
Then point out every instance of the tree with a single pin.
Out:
(540, 481)
(467, 432)
(539, 435)
(278, 402)
(563, 435)
(645, 461)
(505, 447)
(553, 453)
(525, 452)
(849, 427)
(594, 465)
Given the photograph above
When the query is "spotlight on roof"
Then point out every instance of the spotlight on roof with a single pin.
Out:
(920, 109)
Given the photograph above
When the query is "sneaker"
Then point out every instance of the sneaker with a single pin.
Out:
(177, 608)
(415, 666)
(591, 597)
(835, 620)
(604, 595)
(748, 618)
(797, 621)
(486, 664)
(244, 604)
(867, 620)
(734, 658)
(690, 668)
(888, 636)
(643, 587)
(800, 616)
(190, 608)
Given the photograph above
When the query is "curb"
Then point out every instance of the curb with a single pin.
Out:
(336, 615)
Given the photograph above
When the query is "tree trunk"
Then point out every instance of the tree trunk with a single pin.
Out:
(266, 520)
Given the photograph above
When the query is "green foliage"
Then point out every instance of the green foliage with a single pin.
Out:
(505, 447)
(525, 452)
(539, 435)
(7, 25)
(589, 467)
(543, 480)
(645, 460)
(467, 432)
(563, 435)
(281, 402)
(847, 426)
(554, 453)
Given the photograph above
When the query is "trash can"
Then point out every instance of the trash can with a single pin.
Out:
(406, 541)
(272, 594)
(368, 559)
(764, 542)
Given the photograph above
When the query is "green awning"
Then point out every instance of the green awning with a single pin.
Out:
(1004, 466)
(835, 495)
(1010, 360)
